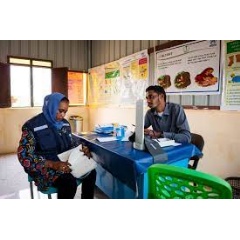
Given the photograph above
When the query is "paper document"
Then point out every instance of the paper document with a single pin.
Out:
(106, 139)
(80, 163)
(164, 142)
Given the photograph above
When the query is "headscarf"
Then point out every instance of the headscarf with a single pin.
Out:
(50, 108)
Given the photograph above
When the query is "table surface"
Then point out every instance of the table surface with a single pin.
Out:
(126, 163)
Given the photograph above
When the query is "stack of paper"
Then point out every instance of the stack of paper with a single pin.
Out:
(106, 139)
(164, 142)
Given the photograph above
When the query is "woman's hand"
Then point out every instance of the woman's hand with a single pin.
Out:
(86, 151)
(59, 166)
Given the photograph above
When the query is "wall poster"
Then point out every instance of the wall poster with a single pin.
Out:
(231, 86)
(121, 82)
(104, 84)
(134, 75)
(191, 68)
(77, 88)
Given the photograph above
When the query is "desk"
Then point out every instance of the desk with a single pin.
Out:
(121, 171)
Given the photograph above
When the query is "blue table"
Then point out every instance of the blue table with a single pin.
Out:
(121, 171)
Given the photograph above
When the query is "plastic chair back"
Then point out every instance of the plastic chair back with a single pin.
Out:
(168, 182)
(198, 141)
(235, 184)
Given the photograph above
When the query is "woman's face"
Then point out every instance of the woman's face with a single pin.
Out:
(62, 110)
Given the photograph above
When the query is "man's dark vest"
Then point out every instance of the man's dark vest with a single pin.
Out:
(49, 140)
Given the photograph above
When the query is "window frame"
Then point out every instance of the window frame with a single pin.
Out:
(31, 65)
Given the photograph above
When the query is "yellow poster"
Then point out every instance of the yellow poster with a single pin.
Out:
(77, 88)
(134, 69)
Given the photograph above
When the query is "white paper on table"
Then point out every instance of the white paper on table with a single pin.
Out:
(165, 142)
(106, 139)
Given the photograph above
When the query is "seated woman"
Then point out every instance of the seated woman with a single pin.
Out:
(43, 138)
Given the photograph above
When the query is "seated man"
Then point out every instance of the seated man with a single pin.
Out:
(167, 119)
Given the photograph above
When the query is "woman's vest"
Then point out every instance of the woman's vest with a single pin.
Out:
(49, 140)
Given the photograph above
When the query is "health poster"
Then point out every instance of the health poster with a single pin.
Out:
(191, 68)
(134, 74)
(104, 84)
(111, 87)
(77, 88)
(96, 78)
(231, 86)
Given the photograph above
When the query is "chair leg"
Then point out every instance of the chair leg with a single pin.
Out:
(49, 196)
(31, 190)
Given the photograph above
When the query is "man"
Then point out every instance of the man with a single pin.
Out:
(168, 120)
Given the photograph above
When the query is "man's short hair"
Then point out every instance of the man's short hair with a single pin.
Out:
(157, 89)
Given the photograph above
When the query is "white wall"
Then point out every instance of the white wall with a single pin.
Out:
(11, 121)
(221, 134)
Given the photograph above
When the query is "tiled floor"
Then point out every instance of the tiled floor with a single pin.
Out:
(14, 183)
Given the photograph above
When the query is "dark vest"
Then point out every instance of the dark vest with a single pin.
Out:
(49, 140)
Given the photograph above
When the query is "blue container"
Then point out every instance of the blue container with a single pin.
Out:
(120, 132)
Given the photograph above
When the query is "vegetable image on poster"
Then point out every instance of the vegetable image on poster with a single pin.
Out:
(164, 81)
(182, 80)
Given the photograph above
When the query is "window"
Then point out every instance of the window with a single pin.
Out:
(30, 80)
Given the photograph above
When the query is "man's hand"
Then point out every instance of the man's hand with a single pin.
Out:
(152, 134)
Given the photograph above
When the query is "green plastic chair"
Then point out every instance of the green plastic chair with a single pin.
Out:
(170, 182)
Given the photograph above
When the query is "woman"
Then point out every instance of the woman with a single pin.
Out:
(43, 138)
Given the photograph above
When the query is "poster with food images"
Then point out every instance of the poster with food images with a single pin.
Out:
(191, 68)
(231, 73)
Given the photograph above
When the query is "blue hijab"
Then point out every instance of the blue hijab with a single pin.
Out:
(50, 108)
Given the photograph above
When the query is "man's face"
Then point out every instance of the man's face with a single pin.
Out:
(153, 99)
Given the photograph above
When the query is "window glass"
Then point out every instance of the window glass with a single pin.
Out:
(20, 86)
(41, 84)
(42, 63)
(19, 61)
